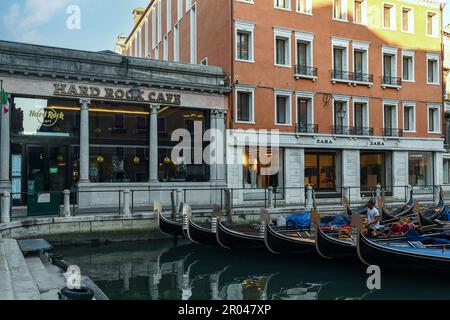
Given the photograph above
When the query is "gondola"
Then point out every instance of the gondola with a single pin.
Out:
(288, 242)
(331, 247)
(167, 226)
(402, 254)
(349, 211)
(204, 232)
(429, 217)
(239, 237)
(407, 209)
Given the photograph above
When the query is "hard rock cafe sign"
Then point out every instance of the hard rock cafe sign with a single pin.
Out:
(47, 117)
(108, 93)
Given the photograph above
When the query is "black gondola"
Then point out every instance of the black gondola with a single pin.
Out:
(402, 255)
(167, 226)
(287, 242)
(331, 247)
(407, 209)
(204, 232)
(239, 237)
(429, 217)
(349, 211)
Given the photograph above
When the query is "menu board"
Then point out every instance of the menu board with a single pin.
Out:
(16, 185)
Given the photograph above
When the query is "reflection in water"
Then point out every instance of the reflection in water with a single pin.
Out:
(166, 270)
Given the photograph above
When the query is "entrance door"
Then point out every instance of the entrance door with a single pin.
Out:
(37, 169)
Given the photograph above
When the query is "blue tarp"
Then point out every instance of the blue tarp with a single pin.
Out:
(303, 221)
(446, 215)
(413, 235)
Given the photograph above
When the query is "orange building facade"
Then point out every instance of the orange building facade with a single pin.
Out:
(354, 88)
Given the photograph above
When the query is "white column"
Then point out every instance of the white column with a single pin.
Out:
(400, 176)
(438, 169)
(5, 183)
(84, 140)
(294, 160)
(351, 173)
(218, 168)
(154, 143)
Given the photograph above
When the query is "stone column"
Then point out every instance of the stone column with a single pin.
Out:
(351, 174)
(5, 183)
(84, 140)
(217, 154)
(400, 176)
(154, 143)
(294, 159)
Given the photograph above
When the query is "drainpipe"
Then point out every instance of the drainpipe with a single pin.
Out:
(232, 78)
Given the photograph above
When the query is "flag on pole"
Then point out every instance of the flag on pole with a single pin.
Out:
(4, 103)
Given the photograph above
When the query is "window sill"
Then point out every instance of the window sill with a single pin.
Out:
(352, 82)
(245, 122)
(305, 13)
(414, 131)
(406, 31)
(284, 124)
(364, 24)
(340, 20)
(410, 81)
(245, 61)
(303, 76)
(434, 132)
(433, 83)
(283, 9)
(391, 86)
(390, 29)
(288, 66)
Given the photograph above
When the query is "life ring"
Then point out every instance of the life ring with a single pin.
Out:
(78, 294)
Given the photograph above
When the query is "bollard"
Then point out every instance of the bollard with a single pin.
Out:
(214, 225)
(126, 203)
(270, 196)
(66, 211)
(378, 191)
(179, 199)
(5, 205)
(228, 205)
(309, 197)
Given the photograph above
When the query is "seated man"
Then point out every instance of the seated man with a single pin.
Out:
(373, 218)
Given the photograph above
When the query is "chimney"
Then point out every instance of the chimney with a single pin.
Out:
(137, 14)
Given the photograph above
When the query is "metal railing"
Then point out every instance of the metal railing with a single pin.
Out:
(363, 131)
(342, 130)
(351, 76)
(308, 71)
(391, 81)
(392, 132)
(306, 128)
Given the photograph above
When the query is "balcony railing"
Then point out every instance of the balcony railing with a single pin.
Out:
(362, 131)
(341, 130)
(391, 81)
(351, 76)
(306, 128)
(305, 71)
(392, 132)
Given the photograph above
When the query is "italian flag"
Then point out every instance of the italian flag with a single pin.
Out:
(4, 103)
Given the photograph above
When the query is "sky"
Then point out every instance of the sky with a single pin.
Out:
(100, 22)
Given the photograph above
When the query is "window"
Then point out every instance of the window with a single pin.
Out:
(408, 65)
(283, 108)
(159, 13)
(154, 40)
(244, 105)
(258, 170)
(283, 48)
(169, 16)
(361, 62)
(341, 116)
(390, 119)
(304, 55)
(409, 117)
(432, 24)
(193, 35)
(407, 19)
(390, 67)
(340, 60)
(304, 6)
(305, 113)
(179, 9)
(188, 5)
(421, 169)
(283, 4)
(373, 169)
(361, 117)
(204, 61)
(340, 9)
(434, 125)
(433, 69)
(320, 170)
(244, 41)
(360, 11)
(389, 20)
(176, 43)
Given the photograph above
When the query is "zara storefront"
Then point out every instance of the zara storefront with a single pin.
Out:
(99, 122)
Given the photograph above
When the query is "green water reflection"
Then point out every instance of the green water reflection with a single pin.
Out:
(169, 270)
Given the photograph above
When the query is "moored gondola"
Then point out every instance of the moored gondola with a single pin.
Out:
(204, 232)
(429, 217)
(167, 226)
(331, 246)
(288, 241)
(400, 212)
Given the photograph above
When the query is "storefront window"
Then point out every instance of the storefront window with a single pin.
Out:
(421, 169)
(41, 117)
(254, 175)
(373, 170)
(118, 164)
(186, 167)
(320, 171)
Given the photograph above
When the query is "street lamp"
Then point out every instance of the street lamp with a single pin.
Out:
(341, 115)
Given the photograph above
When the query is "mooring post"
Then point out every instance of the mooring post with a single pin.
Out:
(270, 196)
(228, 208)
(6, 207)
(126, 202)
(66, 211)
(309, 197)
(179, 199)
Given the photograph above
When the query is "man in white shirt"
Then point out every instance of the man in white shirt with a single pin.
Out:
(373, 217)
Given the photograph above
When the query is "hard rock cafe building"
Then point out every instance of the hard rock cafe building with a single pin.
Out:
(99, 122)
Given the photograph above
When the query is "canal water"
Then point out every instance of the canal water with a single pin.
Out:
(170, 270)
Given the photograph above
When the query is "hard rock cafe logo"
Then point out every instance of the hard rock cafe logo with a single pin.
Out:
(47, 117)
